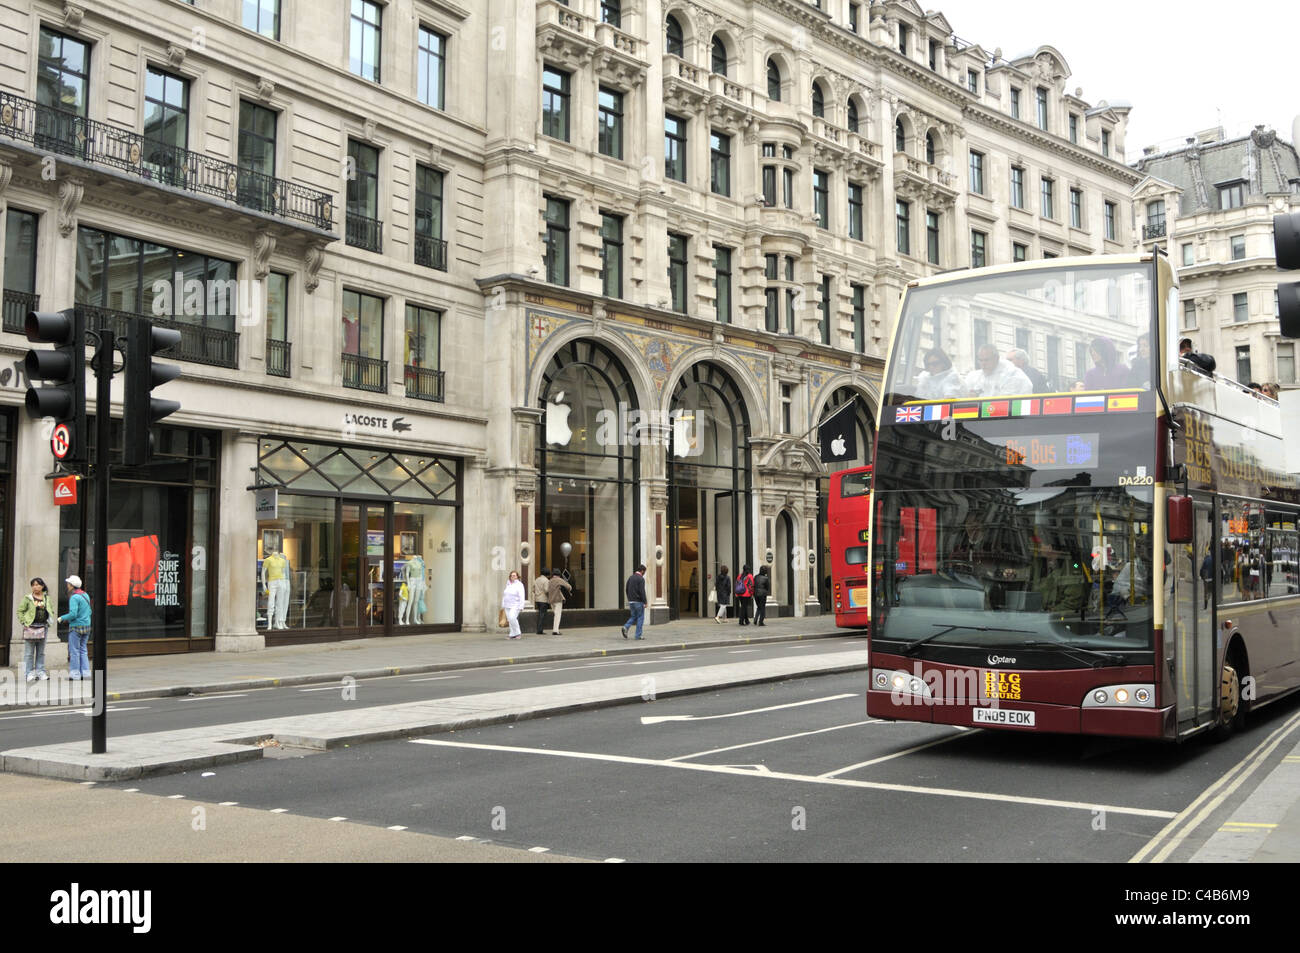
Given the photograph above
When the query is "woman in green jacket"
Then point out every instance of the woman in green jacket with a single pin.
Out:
(34, 615)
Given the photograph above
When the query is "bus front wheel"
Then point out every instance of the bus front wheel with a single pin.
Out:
(1232, 707)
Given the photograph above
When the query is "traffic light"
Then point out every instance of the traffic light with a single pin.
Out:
(65, 368)
(1286, 246)
(140, 410)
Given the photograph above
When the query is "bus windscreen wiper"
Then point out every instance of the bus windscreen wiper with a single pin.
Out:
(912, 646)
(1074, 652)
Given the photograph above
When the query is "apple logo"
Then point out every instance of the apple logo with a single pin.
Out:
(557, 422)
(685, 441)
(837, 446)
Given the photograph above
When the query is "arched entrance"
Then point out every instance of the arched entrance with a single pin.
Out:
(865, 430)
(709, 487)
(783, 564)
(588, 458)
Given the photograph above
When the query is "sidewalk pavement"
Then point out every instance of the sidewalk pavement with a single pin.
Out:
(206, 672)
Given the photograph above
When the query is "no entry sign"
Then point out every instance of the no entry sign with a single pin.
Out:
(61, 441)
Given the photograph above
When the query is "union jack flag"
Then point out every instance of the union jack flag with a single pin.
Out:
(907, 414)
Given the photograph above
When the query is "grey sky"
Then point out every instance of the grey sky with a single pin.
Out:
(1183, 66)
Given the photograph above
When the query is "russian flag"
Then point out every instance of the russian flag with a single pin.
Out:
(936, 412)
(1090, 405)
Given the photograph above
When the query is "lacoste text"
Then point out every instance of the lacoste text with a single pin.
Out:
(102, 907)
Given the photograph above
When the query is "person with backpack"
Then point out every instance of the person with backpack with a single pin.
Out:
(78, 618)
(762, 586)
(723, 585)
(744, 594)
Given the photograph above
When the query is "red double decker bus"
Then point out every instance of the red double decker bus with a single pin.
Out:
(848, 513)
(1074, 531)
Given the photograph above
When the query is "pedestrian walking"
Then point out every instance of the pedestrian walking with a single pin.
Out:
(762, 586)
(34, 616)
(555, 596)
(636, 600)
(723, 585)
(744, 594)
(542, 597)
(512, 601)
(78, 619)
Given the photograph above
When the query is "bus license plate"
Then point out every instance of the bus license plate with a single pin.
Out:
(1003, 716)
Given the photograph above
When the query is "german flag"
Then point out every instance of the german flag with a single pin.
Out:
(1122, 402)
(965, 411)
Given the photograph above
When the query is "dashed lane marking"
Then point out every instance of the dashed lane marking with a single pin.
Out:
(802, 778)
(338, 818)
(397, 827)
(768, 741)
(658, 719)
(539, 850)
(961, 732)
(204, 698)
(435, 678)
(279, 810)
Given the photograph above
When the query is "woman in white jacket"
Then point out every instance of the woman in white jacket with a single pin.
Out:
(512, 600)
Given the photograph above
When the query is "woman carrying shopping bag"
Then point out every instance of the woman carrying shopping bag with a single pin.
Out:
(34, 615)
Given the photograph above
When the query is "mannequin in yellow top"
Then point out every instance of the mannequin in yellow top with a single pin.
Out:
(275, 583)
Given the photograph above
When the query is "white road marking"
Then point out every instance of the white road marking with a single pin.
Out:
(539, 850)
(1212, 797)
(336, 687)
(204, 698)
(279, 810)
(175, 797)
(397, 827)
(338, 818)
(88, 783)
(768, 741)
(615, 860)
(227, 803)
(466, 837)
(131, 790)
(897, 754)
(742, 651)
(435, 678)
(110, 708)
(657, 719)
(804, 778)
(68, 711)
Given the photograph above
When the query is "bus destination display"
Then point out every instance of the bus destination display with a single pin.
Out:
(1055, 451)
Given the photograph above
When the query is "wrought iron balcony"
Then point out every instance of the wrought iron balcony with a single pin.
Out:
(1153, 231)
(200, 344)
(277, 357)
(362, 232)
(431, 252)
(67, 134)
(16, 306)
(365, 373)
(424, 383)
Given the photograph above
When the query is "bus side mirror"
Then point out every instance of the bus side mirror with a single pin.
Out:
(1179, 519)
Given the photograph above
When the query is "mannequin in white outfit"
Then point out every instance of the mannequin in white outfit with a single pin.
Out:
(276, 573)
(413, 574)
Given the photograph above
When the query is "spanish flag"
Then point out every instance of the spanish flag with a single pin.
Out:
(1122, 402)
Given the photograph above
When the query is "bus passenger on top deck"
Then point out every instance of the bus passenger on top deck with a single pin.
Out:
(1108, 371)
(939, 380)
(996, 377)
(1019, 357)
(1140, 374)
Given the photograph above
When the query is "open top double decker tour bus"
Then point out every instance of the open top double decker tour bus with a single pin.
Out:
(1073, 530)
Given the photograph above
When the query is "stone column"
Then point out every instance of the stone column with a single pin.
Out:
(236, 591)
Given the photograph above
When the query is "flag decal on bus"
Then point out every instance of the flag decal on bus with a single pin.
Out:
(1122, 402)
(996, 408)
(1090, 405)
(906, 414)
(1058, 405)
(965, 411)
(936, 412)
(1024, 408)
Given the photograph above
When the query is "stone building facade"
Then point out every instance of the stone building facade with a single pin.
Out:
(1210, 205)
(516, 283)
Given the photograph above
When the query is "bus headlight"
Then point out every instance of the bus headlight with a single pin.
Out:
(900, 683)
(1121, 696)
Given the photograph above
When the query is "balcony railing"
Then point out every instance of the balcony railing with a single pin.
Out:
(1156, 230)
(277, 357)
(16, 306)
(365, 373)
(67, 134)
(367, 233)
(423, 383)
(199, 344)
(431, 252)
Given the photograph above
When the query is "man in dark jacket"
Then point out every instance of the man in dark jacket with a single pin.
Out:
(762, 586)
(636, 600)
(1205, 362)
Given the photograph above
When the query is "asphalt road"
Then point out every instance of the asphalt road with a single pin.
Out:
(56, 725)
(791, 771)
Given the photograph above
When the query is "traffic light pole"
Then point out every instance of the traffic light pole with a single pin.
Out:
(103, 365)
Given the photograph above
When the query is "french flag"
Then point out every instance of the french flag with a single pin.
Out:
(936, 412)
(1090, 405)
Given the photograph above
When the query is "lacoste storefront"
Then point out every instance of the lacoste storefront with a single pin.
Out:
(355, 541)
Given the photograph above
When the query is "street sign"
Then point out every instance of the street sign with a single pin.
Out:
(61, 441)
(266, 504)
(65, 490)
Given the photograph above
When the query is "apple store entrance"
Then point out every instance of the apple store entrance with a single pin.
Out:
(709, 498)
(588, 456)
